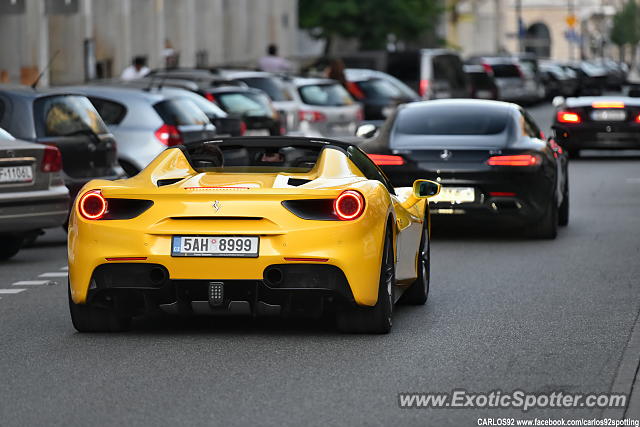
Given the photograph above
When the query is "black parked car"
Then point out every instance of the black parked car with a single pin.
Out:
(67, 121)
(490, 157)
(483, 85)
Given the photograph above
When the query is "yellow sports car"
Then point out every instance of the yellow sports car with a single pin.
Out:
(261, 226)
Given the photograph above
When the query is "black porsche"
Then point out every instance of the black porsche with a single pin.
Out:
(597, 123)
(491, 158)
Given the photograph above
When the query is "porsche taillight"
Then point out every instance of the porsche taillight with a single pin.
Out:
(92, 205)
(349, 205)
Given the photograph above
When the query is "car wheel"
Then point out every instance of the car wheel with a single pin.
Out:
(86, 318)
(11, 244)
(376, 319)
(547, 227)
(418, 291)
(563, 213)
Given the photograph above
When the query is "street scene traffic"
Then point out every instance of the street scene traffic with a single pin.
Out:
(303, 212)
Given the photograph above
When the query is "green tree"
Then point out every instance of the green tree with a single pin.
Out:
(626, 29)
(369, 21)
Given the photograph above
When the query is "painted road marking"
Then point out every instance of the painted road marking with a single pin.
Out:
(33, 283)
(11, 291)
(55, 274)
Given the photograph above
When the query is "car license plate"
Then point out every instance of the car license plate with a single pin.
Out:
(609, 115)
(215, 246)
(484, 94)
(14, 174)
(257, 132)
(455, 195)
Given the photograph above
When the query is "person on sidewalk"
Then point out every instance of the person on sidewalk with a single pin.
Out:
(273, 63)
(136, 70)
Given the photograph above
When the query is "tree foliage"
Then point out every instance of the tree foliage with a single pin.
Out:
(369, 21)
(626, 25)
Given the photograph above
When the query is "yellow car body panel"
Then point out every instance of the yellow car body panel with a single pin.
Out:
(185, 208)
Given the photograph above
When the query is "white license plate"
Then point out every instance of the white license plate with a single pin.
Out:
(13, 174)
(215, 246)
(484, 94)
(257, 132)
(609, 115)
(455, 195)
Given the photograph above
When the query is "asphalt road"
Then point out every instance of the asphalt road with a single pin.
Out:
(504, 313)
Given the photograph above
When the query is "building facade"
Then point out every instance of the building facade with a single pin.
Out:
(99, 38)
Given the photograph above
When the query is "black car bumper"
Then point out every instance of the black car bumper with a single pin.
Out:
(598, 136)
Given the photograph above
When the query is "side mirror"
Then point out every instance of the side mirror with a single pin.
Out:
(557, 101)
(366, 130)
(423, 188)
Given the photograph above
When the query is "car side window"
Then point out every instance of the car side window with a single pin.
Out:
(111, 112)
(368, 168)
(2, 110)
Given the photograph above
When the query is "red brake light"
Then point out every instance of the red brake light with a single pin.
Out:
(424, 87)
(638, 118)
(210, 97)
(52, 159)
(354, 89)
(349, 205)
(568, 117)
(501, 194)
(386, 159)
(169, 135)
(311, 116)
(488, 68)
(515, 160)
(92, 205)
(243, 128)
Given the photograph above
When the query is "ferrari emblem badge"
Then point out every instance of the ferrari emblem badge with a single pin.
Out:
(216, 205)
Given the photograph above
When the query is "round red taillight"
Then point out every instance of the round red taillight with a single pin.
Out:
(349, 205)
(92, 205)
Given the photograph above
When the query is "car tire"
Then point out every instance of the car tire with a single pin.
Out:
(87, 318)
(418, 291)
(563, 212)
(11, 244)
(547, 227)
(376, 319)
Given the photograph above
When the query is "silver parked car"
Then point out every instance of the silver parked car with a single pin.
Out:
(327, 109)
(144, 123)
(33, 195)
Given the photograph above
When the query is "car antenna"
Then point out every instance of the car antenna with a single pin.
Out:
(35, 83)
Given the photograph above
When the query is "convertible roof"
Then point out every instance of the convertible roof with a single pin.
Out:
(280, 141)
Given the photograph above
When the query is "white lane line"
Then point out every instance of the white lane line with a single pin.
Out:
(11, 291)
(65, 269)
(55, 274)
(31, 283)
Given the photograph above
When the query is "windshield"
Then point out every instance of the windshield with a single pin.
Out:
(379, 89)
(181, 112)
(470, 120)
(240, 158)
(62, 115)
(505, 70)
(270, 85)
(332, 94)
(245, 103)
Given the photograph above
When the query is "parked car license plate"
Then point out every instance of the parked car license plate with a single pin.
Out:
(455, 195)
(13, 174)
(257, 132)
(609, 115)
(215, 246)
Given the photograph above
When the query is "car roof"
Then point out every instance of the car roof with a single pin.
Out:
(239, 89)
(240, 74)
(122, 94)
(474, 69)
(30, 93)
(462, 102)
(586, 101)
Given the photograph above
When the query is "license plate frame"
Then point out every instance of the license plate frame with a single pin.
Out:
(7, 171)
(608, 115)
(455, 195)
(178, 246)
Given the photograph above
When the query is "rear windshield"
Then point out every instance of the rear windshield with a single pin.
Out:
(270, 85)
(207, 107)
(449, 68)
(505, 70)
(245, 103)
(480, 80)
(64, 115)
(470, 120)
(379, 89)
(180, 112)
(332, 94)
(253, 158)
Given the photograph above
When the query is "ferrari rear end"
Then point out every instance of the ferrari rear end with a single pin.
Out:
(216, 243)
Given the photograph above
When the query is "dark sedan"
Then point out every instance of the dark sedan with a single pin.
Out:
(597, 123)
(67, 121)
(490, 157)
